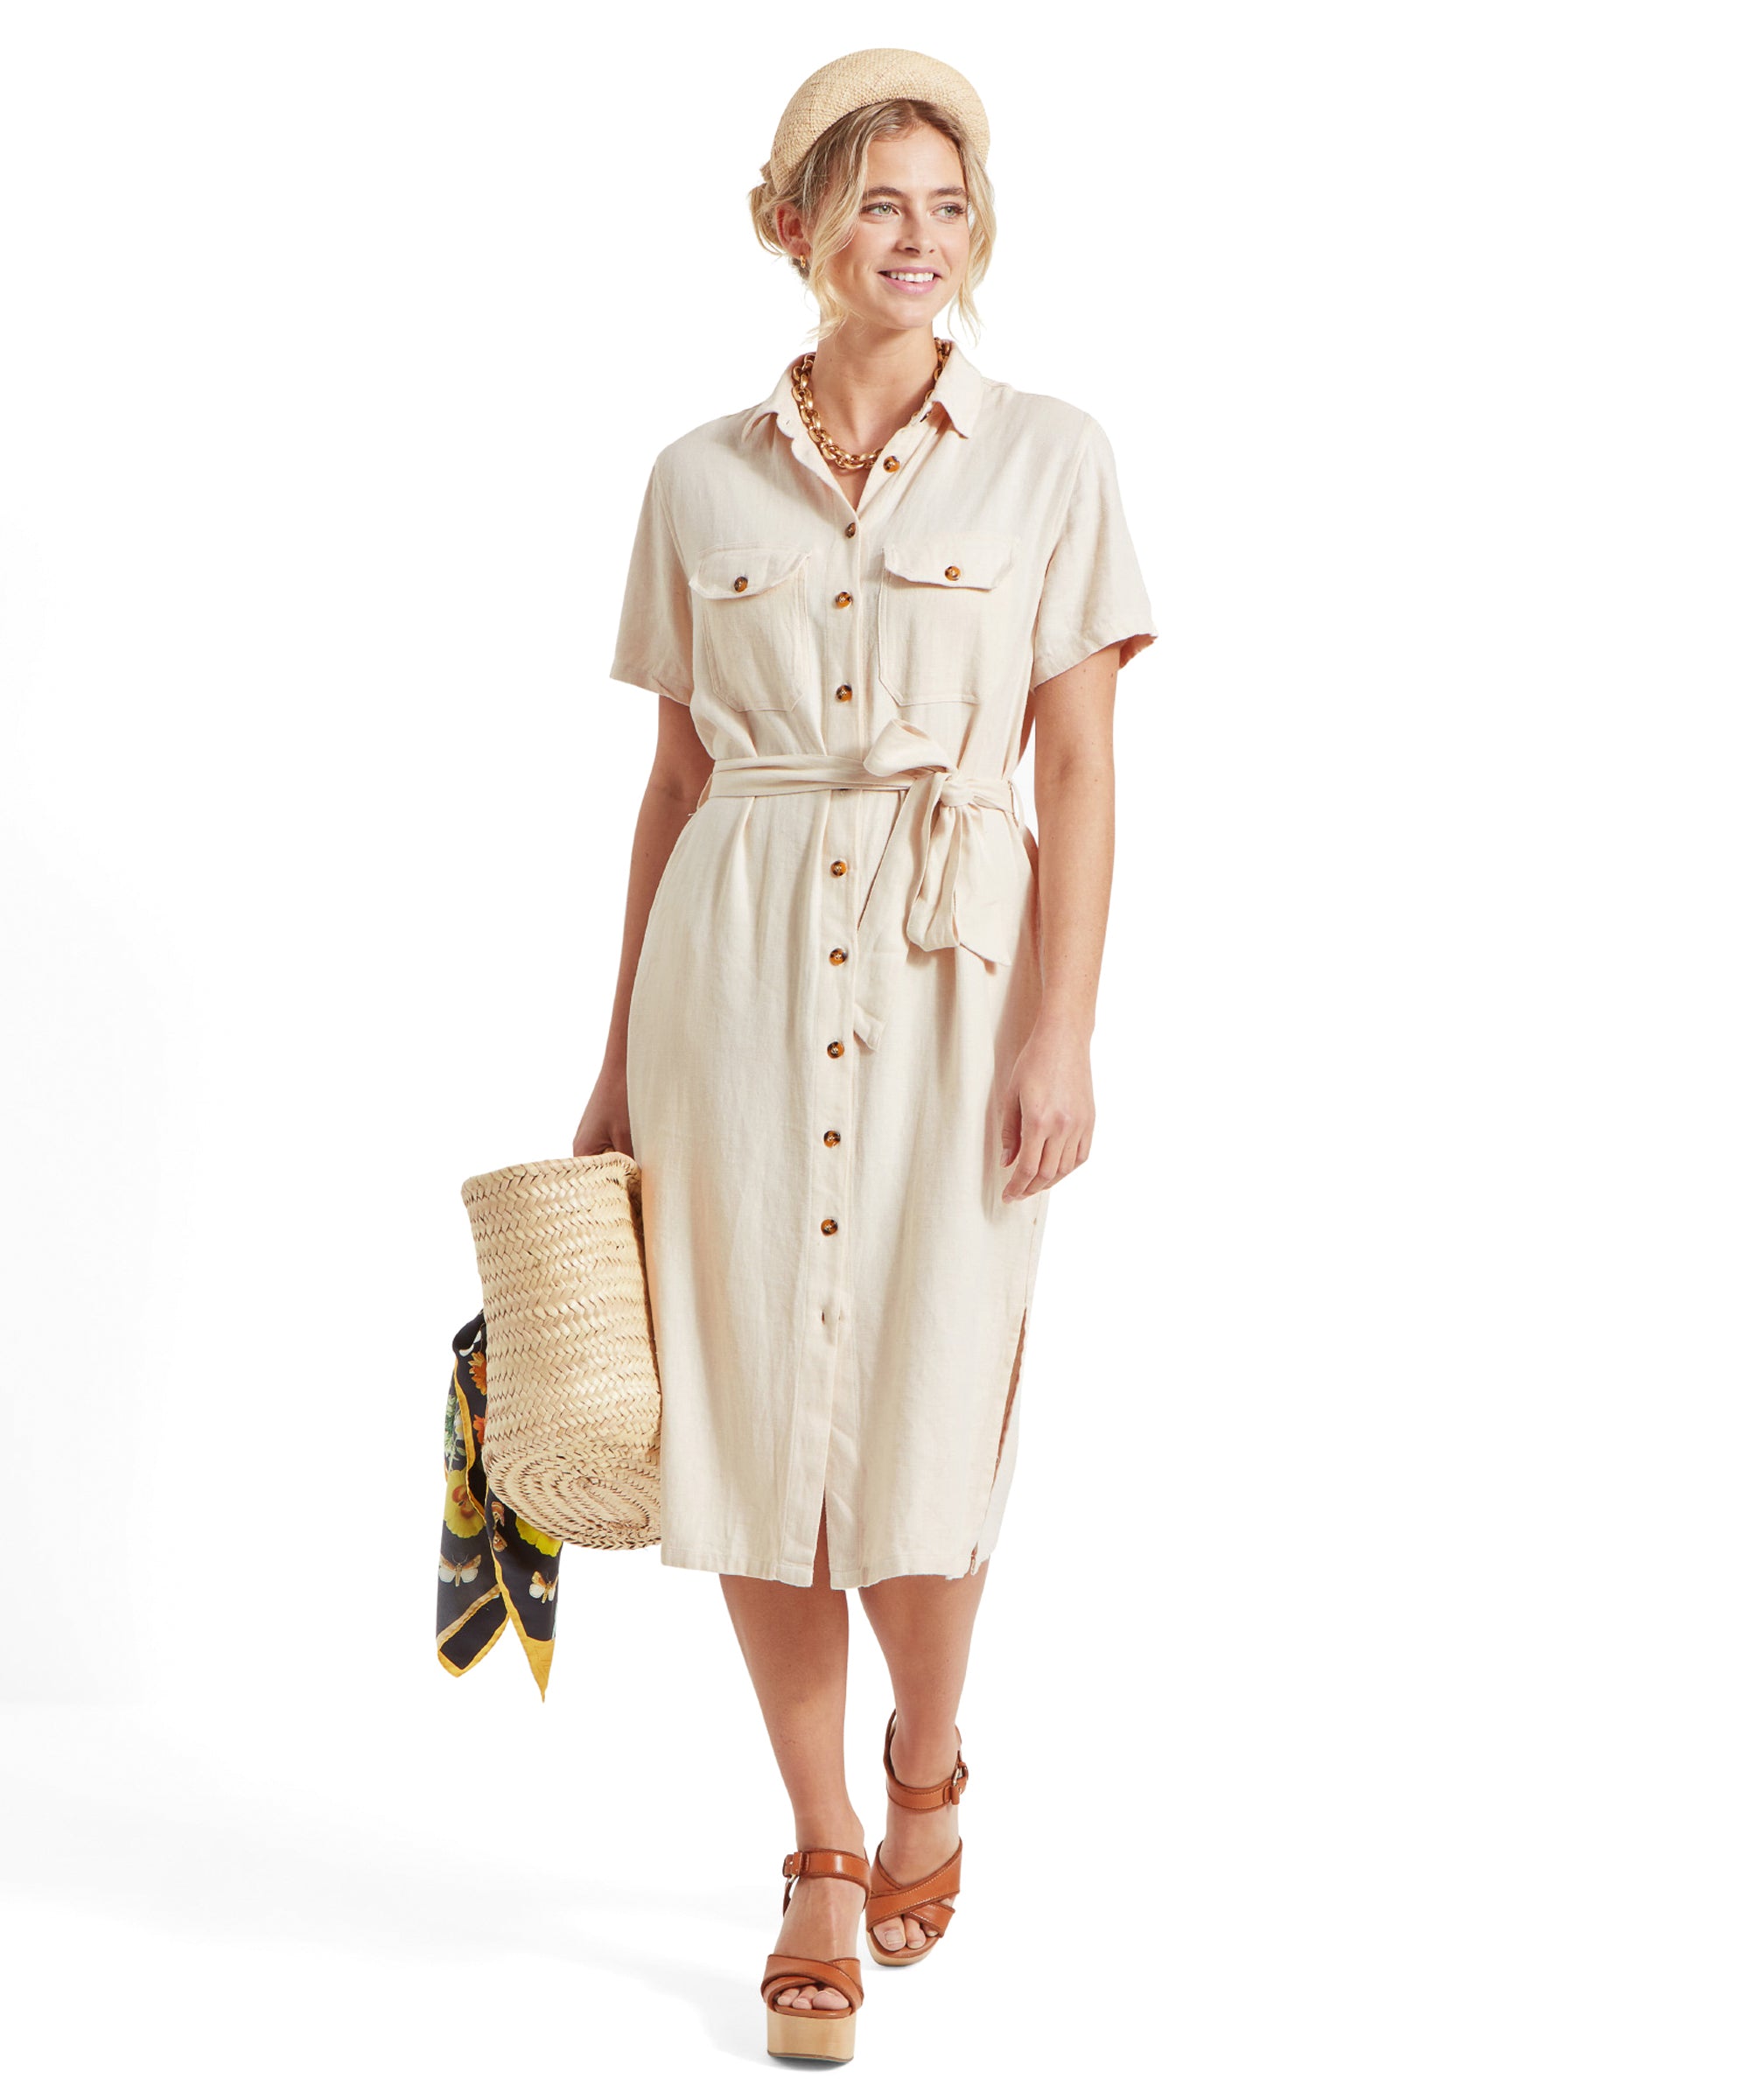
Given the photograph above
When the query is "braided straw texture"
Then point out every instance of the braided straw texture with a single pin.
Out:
(869, 76)
(572, 1435)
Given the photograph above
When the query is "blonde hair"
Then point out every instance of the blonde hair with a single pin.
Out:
(827, 186)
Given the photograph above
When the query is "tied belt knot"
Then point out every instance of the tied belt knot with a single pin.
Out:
(955, 871)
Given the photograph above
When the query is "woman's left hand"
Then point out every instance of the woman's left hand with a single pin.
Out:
(1048, 1111)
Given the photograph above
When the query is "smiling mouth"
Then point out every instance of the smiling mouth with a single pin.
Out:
(913, 280)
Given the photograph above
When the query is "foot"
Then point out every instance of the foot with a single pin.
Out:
(916, 1841)
(823, 1918)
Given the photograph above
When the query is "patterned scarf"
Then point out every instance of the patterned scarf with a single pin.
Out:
(476, 1597)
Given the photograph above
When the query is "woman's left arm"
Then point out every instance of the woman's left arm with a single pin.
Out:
(1048, 1112)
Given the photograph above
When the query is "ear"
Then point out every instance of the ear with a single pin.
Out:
(789, 226)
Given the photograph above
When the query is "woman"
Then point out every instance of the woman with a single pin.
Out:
(850, 1062)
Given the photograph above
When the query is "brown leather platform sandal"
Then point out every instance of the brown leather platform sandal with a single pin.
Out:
(823, 2033)
(919, 1899)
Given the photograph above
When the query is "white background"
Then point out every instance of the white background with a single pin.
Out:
(1354, 1706)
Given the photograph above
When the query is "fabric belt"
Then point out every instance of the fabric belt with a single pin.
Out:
(954, 871)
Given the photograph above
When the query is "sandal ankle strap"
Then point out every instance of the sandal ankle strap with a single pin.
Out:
(943, 1795)
(815, 1864)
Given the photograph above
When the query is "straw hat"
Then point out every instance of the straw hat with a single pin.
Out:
(869, 76)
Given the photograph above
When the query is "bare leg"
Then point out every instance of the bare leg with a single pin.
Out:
(923, 1624)
(794, 1643)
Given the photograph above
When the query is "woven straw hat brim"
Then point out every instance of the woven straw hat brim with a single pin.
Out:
(870, 76)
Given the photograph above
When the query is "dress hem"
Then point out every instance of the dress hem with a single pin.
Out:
(718, 1561)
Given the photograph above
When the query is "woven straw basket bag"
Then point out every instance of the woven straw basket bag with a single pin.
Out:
(572, 1436)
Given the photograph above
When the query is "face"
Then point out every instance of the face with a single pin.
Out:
(910, 244)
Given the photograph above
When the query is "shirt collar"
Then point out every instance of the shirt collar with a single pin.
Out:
(958, 392)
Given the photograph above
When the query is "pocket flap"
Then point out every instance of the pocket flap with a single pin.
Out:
(958, 561)
(742, 571)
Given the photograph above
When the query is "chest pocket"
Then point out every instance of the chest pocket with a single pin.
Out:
(944, 616)
(750, 621)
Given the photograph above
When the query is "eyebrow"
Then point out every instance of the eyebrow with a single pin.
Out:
(884, 190)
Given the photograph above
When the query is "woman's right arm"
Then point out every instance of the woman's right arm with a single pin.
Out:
(681, 764)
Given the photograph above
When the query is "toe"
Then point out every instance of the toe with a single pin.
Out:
(890, 1934)
(829, 1999)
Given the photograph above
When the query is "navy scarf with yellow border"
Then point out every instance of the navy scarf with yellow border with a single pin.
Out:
(495, 1566)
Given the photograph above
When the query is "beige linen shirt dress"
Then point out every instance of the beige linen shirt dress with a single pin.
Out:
(841, 964)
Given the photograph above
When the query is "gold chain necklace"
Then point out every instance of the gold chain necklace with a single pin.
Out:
(851, 462)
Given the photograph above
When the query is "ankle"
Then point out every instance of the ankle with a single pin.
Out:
(924, 1756)
(830, 1830)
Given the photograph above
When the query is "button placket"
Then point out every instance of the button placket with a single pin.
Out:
(903, 450)
(830, 1225)
(841, 719)
(827, 1222)
(834, 1095)
(832, 1396)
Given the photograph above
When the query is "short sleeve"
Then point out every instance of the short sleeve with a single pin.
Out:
(654, 629)
(1092, 592)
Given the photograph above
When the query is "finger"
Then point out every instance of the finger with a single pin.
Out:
(1023, 1173)
(1069, 1156)
(1041, 1148)
(1010, 1128)
(1010, 1155)
(1053, 1158)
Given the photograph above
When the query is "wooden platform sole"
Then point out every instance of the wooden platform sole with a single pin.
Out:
(824, 2040)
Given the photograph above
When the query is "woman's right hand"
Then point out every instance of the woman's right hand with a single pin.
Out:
(604, 1122)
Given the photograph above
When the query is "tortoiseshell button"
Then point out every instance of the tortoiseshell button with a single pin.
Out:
(844, 692)
(890, 463)
(953, 572)
(837, 867)
(838, 955)
(740, 582)
(835, 1049)
(829, 1226)
(831, 1137)
(843, 598)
